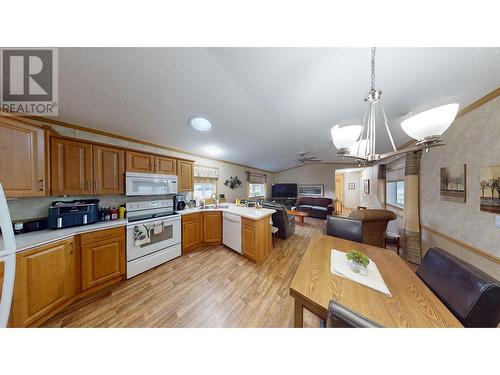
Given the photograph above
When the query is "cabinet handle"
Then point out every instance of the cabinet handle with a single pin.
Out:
(89, 186)
(95, 186)
(41, 184)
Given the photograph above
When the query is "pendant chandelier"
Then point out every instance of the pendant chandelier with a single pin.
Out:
(359, 141)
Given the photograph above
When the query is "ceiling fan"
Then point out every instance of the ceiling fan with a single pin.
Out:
(303, 159)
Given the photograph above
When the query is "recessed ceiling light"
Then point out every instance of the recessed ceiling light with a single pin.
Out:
(201, 124)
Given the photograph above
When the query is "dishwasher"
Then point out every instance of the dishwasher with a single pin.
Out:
(231, 232)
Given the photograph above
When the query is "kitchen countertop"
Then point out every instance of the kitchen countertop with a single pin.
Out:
(42, 237)
(246, 212)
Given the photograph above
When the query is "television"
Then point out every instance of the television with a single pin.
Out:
(284, 190)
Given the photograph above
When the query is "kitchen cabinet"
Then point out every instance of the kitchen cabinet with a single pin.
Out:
(140, 162)
(211, 223)
(71, 167)
(165, 165)
(108, 165)
(45, 280)
(22, 161)
(191, 232)
(256, 241)
(185, 172)
(102, 258)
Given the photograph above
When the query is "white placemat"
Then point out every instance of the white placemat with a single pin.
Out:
(339, 265)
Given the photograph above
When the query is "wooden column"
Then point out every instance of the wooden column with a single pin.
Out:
(411, 235)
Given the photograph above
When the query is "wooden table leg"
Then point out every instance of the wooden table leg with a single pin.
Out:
(300, 220)
(298, 314)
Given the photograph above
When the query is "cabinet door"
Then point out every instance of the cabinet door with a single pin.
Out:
(191, 232)
(248, 241)
(212, 227)
(165, 165)
(22, 159)
(71, 165)
(185, 175)
(108, 169)
(140, 162)
(45, 278)
(102, 261)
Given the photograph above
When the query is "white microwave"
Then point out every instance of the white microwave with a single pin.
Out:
(150, 184)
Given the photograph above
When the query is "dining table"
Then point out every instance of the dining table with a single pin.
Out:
(410, 303)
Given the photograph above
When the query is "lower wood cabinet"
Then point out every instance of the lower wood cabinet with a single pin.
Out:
(211, 227)
(102, 261)
(256, 241)
(45, 280)
(191, 232)
(50, 277)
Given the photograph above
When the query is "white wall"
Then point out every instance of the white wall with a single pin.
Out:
(351, 197)
(319, 173)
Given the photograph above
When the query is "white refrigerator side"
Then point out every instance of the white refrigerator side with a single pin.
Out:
(8, 257)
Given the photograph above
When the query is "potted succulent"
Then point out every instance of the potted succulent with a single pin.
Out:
(359, 261)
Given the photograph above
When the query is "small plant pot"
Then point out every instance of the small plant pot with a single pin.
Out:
(358, 268)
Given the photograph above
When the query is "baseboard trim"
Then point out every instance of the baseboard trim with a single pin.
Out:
(465, 245)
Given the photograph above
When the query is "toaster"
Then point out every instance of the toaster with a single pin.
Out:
(63, 214)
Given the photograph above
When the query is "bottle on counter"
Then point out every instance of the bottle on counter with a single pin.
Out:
(101, 214)
(114, 214)
(107, 214)
(121, 212)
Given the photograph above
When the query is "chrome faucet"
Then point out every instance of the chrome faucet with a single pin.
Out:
(216, 201)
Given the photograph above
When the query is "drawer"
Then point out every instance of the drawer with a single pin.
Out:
(191, 217)
(101, 235)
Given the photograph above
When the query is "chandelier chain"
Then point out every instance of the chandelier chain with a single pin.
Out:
(373, 69)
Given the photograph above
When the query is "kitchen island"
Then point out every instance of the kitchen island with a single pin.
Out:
(246, 230)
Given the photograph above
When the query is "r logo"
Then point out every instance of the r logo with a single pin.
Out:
(27, 75)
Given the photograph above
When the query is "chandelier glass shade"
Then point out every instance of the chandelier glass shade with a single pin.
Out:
(345, 136)
(358, 141)
(430, 124)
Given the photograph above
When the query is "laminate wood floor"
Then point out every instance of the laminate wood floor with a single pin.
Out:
(211, 287)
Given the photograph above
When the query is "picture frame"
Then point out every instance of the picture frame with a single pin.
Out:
(489, 185)
(453, 183)
(311, 190)
(366, 185)
(351, 186)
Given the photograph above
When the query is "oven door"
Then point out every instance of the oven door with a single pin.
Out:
(150, 184)
(169, 235)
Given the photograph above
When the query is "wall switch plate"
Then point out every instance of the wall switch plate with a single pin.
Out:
(497, 221)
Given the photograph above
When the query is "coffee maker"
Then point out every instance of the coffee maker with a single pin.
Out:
(180, 202)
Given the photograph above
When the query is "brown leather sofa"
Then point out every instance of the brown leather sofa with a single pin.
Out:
(374, 224)
(316, 207)
(470, 294)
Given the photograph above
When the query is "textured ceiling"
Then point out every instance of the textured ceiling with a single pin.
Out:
(266, 104)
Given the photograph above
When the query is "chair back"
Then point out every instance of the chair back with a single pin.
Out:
(470, 294)
(343, 227)
(374, 224)
(340, 316)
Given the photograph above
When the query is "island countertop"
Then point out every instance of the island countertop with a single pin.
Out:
(246, 212)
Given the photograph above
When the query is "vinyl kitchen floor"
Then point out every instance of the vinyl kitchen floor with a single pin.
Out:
(211, 287)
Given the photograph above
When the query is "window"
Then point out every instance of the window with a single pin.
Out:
(203, 190)
(396, 193)
(255, 190)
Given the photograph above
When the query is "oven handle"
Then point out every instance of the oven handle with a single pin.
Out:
(134, 223)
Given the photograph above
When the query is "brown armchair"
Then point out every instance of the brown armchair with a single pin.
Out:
(374, 224)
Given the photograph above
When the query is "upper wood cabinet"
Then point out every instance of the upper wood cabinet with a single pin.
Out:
(211, 225)
(22, 159)
(165, 165)
(140, 162)
(185, 173)
(102, 257)
(45, 279)
(148, 163)
(71, 167)
(191, 232)
(108, 169)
